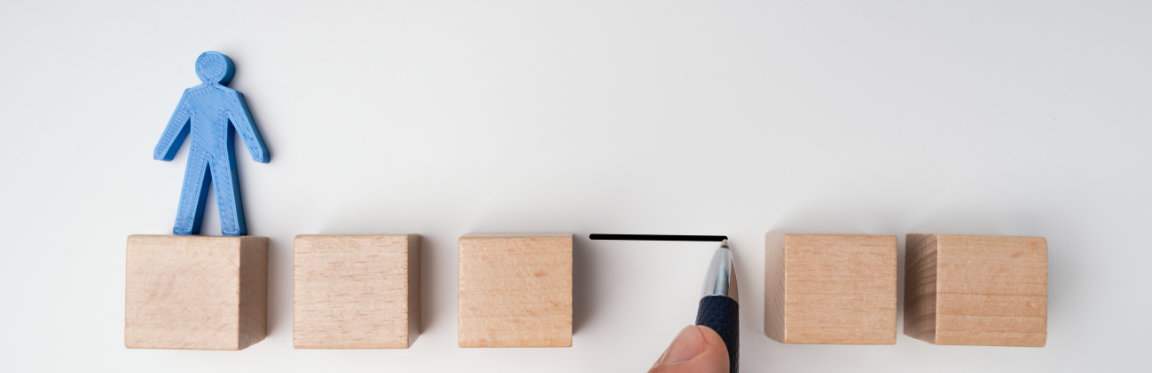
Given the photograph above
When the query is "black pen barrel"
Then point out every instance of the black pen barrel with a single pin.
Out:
(722, 314)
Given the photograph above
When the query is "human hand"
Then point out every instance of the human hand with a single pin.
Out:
(697, 349)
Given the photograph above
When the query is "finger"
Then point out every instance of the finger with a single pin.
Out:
(697, 349)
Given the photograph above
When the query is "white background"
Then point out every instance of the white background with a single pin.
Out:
(711, 117)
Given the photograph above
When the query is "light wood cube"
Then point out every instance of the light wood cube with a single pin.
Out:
(195, 292)
(356, 291)
(515, 290)
(976, 290)
(830, 289)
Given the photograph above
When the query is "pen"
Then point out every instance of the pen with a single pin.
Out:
(719, 307)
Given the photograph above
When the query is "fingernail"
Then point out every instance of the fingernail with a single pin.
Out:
(688, 344)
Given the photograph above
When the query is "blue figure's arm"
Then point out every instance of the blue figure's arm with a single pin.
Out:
(241, 118)
(174, 134)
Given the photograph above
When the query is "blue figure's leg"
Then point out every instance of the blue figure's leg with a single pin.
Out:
(193, 195)
(227, 183)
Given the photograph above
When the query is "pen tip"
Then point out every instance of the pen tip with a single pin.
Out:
(724, 243)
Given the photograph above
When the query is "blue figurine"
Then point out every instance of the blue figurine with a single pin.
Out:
(205, 111)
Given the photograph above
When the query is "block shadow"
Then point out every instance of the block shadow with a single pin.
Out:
(431, 282)
(276, 289)
(583, 282)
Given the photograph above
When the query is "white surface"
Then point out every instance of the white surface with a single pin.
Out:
(712, 117)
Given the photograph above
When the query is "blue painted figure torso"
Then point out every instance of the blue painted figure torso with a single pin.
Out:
(205, 112)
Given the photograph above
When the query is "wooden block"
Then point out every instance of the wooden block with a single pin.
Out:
(830, 289)
(515, 290)
(356, 291)
(976, 290)
(195, 293)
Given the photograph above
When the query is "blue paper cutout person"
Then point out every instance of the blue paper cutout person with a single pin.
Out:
(205, 111)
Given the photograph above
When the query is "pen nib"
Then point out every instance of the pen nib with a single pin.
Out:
(721, 277)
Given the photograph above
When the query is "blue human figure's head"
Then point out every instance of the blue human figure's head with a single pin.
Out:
(214, 68)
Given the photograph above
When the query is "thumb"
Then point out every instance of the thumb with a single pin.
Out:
(697, 349)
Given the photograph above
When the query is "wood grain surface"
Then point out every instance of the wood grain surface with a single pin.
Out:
(515, 290)
(197, 293)
(830, 289)
(356, 291)
(977, 290)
